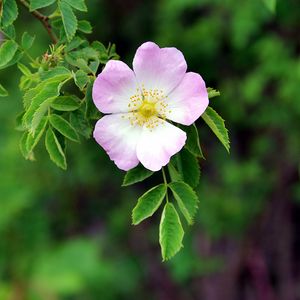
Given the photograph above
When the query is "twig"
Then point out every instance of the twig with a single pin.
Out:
(44, 19)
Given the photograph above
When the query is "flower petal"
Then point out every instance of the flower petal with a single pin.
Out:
(113, 87)
(158, 68)
(188, 101)
(156, 146)
(119, 139)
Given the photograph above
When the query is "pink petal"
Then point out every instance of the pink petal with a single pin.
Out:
(159, 68)
(156, 146)
(119, 139)
(188, 101)
(113, 87)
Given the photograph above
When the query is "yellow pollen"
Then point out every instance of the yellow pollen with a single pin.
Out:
(147, 109)
(145, 106)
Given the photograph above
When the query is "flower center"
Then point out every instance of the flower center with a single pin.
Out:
(147, 109)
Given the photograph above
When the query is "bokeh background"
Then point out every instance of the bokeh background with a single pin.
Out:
(68, 235)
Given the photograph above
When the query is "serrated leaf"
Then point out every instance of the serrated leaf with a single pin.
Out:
(148, 203)
(77, 4)
(186, 198)
(64, 127)
(33, 139)
(189, 169)
(82, 64)
(217, 125)
(9, 31)
(3, 91)
(212, 93)
(66, 103)
(135, 175)
(60, 73)
(69, 19)
(99, 47)
(193, 143)
(36, 4)
(39, 114)
(85, 26)
(75, 43)
(271, 5)
(24, 69)
(7, 51)
(170, 232)
(46, 90)
(27, 40)
(78, 121)
(23, 145)
(10, 12)
(54, 76)
(174, 174)
(19, 124)
(81, 79)
(18, 55)
(54, 149)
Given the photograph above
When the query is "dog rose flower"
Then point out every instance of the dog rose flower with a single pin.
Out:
(140, 103)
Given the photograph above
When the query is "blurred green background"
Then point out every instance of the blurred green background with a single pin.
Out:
(68, 235)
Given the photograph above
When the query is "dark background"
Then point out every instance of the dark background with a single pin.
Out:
(68, 235)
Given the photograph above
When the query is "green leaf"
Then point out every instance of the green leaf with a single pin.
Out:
(27, 40)
(189, 168)
(60, 73)
(77, 4)
(33, 139)
(64, 127)
(55, 150)
(92, 113)
(75, 43)
(212, 92)
(36, 4)
(23, 145)
(69, 19)
(66, 103)
(81, 79)
(135, 175)
(82, 64)
(46, 90)
(174, 174)
(7, 52)
(193, 143)
(10, 12)
(186, 198)
(39, 114)
(170, 232)
(271, 5)
(19, 124)
(3, 91)
(9, 31)
(85, 26)
(24, 69)
(217, 125)
(148, 203)
(18, 55)
(78, 121)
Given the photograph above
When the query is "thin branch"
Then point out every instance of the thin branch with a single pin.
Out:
(43, 19)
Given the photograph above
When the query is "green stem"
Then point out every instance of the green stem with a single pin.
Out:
(166, 183)
(43, 19)
(28, 55)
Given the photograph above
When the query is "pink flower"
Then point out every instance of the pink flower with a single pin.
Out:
(139, 102)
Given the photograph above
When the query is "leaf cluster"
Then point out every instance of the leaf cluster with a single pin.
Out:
(184, 174)
(56, 87)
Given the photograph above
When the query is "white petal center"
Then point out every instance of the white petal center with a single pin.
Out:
(148, 107)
